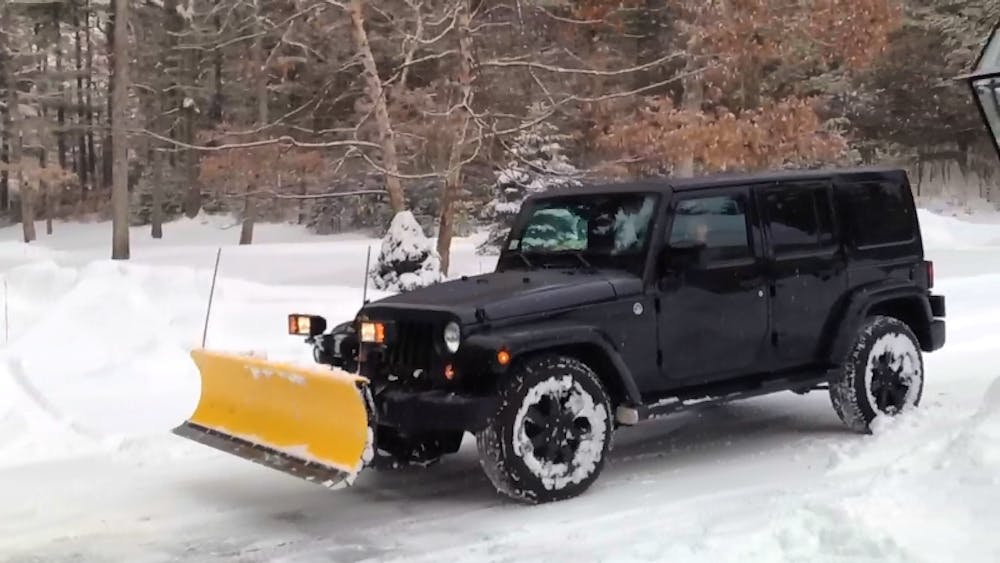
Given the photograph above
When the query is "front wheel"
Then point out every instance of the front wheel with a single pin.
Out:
(551, 433)
(883, 374)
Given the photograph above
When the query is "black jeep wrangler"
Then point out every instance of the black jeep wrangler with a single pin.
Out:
(612, 304)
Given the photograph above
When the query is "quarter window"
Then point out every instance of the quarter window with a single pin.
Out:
(878, 213)
(719, 222)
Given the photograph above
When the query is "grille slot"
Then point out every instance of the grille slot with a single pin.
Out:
(413, 347)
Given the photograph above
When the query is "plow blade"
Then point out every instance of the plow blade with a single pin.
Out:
(310, 422)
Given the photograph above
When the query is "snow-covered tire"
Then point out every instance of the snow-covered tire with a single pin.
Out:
(882, 375)
(550, 436)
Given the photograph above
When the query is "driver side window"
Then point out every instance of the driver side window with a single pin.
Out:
(719, 222)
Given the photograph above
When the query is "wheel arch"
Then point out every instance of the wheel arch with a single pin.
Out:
(586, 343)
(597, 359)
(904, 302)
(913, 311)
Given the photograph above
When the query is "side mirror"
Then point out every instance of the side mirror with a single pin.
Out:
(681, 256)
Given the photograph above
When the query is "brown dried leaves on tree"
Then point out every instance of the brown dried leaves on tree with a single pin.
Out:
(750, 58)
(779, 135)
(269, 170)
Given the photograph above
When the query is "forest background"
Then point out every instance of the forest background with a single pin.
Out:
(341, 114)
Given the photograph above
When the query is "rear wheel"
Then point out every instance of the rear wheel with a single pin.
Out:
(551, 433)
(883, 374)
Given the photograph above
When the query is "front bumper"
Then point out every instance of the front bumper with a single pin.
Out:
(415, 411)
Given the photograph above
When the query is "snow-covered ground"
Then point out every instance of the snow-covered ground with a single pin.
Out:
(94, 372)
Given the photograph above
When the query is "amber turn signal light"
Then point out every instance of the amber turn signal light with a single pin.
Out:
(449, 372)
(503, 357)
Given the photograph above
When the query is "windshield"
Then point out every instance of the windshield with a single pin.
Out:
(608, 230)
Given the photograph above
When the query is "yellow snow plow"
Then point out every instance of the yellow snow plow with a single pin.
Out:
(307, 421)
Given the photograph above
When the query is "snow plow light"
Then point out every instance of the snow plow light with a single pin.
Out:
(306, 325)
(373, 332)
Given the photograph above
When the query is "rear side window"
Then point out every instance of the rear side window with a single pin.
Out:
(878, 213)
(720, 222)
(799, 218)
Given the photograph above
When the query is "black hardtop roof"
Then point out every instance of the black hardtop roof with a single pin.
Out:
(666, 184)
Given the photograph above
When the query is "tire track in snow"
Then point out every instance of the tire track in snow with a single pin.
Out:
(16, 370)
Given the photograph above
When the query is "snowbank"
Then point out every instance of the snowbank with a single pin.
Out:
(100, 354)
(940, 231)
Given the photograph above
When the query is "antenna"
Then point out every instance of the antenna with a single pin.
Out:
(211, 294)
(6, 315)
(364, 294)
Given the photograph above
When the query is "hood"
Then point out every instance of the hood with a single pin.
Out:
(501, 295)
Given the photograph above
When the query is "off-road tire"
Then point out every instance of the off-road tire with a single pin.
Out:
(851, 392)
(507, 446)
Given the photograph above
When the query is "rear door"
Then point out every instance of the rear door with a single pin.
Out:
(806, 267)
(714, 318)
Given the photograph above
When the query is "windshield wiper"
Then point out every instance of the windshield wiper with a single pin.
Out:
(524, 259)
(586, 263)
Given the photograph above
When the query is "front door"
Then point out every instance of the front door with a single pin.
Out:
(713, 315)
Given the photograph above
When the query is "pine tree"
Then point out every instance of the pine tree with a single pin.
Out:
(537, 164)
(407, 259)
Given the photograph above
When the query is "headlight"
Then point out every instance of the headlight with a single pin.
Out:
(452, 336)
(373, 332)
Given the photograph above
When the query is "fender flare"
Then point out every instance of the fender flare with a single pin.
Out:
(858, 305)
(482, 349)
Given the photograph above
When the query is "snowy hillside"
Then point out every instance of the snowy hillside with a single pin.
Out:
(94, 372)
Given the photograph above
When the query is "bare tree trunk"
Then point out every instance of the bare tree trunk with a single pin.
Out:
(249, 210)
(23, 189)
(43, 190)
(691, 100)
(4, 174)
(446, 223)
(302, 203)
(91, 146)
(61, 110)
(7, 136)
(215, 111)
(192, 199)
(47, 207)
(373, 88)
(260, 90)
(108, 154)
(119, 188)
(27, 208)
(81, 116)
(156, 213)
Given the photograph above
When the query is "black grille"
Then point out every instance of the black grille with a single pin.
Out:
(413, 347)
